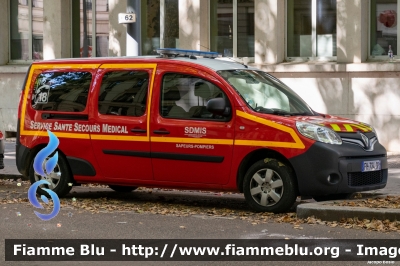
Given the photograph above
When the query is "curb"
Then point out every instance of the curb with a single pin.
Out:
(327, 212)
(13, 176)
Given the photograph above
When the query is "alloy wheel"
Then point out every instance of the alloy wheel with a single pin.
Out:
(266, 187)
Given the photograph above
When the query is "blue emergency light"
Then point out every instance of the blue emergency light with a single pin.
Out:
(181, 52)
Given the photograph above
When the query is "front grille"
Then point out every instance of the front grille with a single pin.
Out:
(358, 179)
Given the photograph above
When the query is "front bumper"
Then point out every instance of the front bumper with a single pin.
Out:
(342, 164)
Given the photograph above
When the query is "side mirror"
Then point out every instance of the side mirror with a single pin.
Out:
(218, 106)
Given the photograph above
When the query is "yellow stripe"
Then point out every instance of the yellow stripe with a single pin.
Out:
(149, 100)
(26, 93)
(365, 129)
(134, 65)
(58, 134)
(69, 66)
(117, 137)
(368, 128)
(348, 128)
(79, 135)
(193, 140)
(335, 127)
(298, 144)
(139, 66)
(267, 144)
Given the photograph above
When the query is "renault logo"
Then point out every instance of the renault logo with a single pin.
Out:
(365, 140)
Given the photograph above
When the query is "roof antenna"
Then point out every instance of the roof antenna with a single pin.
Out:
(237, 61)
(205, 47)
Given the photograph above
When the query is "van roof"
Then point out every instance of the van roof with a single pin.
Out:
(214, 64)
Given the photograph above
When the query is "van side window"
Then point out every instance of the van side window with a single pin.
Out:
(124, 93)
(61, 91)
(186, 97)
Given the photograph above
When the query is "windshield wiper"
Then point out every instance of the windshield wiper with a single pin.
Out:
(272, 111)
(303, 114)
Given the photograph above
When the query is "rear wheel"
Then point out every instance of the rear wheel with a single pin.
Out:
(270, 186)
(123, 189)
(60, 179)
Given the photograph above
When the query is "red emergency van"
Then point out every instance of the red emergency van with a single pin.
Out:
(188, 120)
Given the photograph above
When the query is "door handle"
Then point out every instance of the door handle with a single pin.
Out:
(138, 130)
(161, 132)
(65, 116)
(46, 116)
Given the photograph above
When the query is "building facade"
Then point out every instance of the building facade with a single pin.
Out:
(333, 53)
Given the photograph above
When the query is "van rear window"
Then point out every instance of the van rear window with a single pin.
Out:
(61, 91)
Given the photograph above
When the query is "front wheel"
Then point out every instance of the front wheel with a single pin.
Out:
(60, 179)
(270, 186)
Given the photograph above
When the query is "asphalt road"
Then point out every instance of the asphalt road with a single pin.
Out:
(17, 220)
(147, 226)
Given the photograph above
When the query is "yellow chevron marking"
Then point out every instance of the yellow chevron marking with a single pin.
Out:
(297, 144)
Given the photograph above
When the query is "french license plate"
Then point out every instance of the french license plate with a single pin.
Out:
(368, 166)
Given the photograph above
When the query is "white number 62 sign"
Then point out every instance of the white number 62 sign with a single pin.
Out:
(124, 18)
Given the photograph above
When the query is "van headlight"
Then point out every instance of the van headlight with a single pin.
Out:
(318, 133)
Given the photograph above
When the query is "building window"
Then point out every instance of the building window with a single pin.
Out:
(311, 29)
(160, 25)
(232, 27)
(26, 29)
(91, 27)
(150, 15)
(384, 28)
(169, 13)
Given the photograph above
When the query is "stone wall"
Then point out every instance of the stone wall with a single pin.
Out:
(11, 82)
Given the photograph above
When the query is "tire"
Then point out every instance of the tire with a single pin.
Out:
(60, 179)
(276, 195)
(333, 197)
(122, 189)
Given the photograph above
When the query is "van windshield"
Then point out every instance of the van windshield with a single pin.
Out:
(265, 93)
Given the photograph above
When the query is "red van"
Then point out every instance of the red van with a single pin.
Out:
(188, 120)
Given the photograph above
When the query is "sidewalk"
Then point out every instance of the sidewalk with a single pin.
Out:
(394, 160)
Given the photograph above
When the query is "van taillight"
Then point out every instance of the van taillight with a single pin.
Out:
(21, 94)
